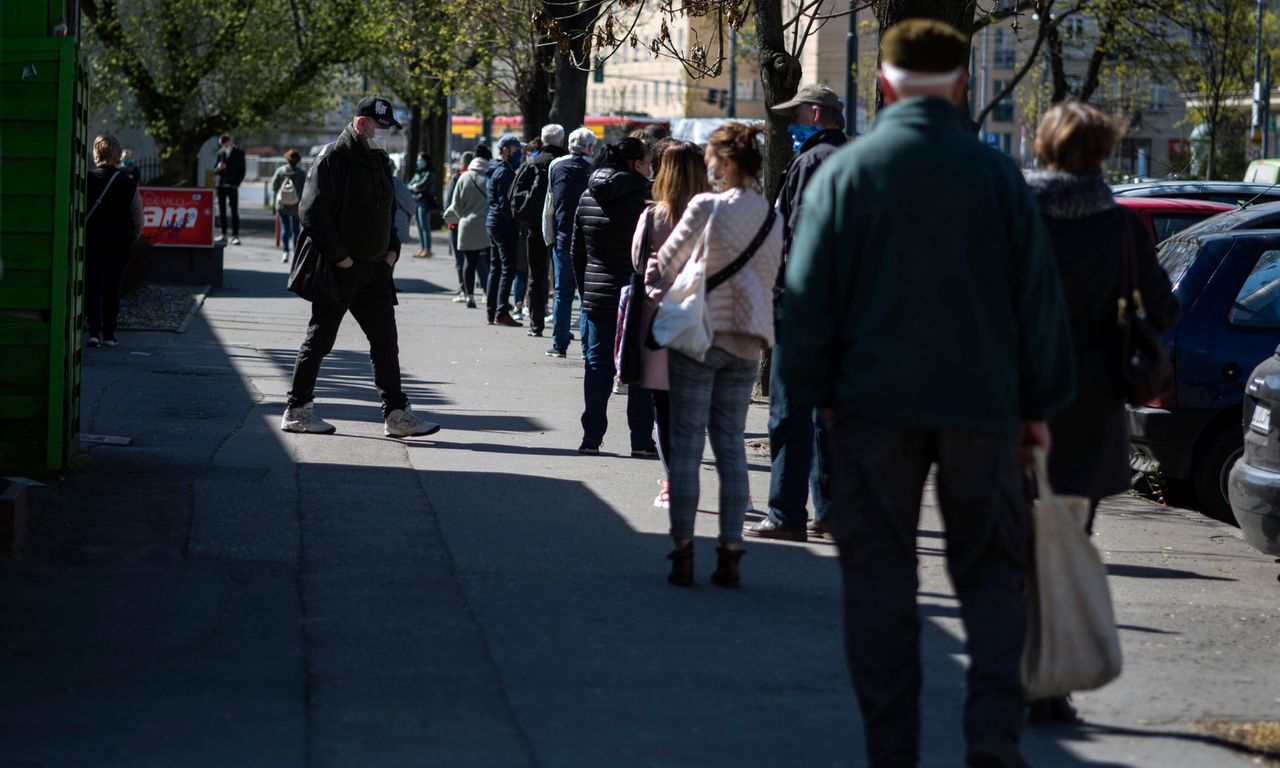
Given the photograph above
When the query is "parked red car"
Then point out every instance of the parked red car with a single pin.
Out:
(1167, 216)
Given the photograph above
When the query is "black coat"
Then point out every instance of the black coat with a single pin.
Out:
(233, 173)
(348, 203)
(1089, 235)
(111, 230)
(603, 225)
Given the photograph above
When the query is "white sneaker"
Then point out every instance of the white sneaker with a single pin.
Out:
(235, 241)
(284, 257)
(519, 313)
(304, 420)
(404, 424)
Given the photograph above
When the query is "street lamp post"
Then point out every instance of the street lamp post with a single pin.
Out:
(851, 76)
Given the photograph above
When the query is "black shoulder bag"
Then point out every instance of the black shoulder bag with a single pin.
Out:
(629, 357)
(1144, 366)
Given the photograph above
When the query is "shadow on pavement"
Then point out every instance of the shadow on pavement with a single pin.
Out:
(1151, 572)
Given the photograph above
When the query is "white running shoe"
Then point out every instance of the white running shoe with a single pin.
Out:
(663, 500)
(402, 423)
(304, 420)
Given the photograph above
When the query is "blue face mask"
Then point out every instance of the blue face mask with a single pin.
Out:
(515, 159)
(422, 166)
(800, 134)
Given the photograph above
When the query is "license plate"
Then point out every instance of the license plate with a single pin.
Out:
(1261, 421)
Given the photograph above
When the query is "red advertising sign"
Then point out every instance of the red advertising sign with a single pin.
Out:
(173, 216)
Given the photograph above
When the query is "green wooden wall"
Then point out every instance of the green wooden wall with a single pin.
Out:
(43, 158)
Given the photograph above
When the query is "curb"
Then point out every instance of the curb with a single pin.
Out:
(199, 297)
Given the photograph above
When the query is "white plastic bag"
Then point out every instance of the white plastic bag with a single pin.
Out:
(1072, 640)
(682, 322)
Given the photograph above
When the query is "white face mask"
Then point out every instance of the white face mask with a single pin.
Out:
(715, 181)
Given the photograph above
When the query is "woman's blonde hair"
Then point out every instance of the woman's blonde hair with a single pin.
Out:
(1076, 138)
(107, 150)
(682, 173)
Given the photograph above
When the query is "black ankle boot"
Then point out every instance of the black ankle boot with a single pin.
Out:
(726, 573)
(681, 566)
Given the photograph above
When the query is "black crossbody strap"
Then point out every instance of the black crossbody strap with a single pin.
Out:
(740, 262)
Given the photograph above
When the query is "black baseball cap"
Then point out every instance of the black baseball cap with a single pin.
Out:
(379, 110)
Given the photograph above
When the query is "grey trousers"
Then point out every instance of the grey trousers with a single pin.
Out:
(711, 396)
(878, 477)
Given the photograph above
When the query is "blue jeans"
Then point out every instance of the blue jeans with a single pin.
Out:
(597, 385)
(800, 455)
(424, 226)
(566, 286)
(521, 284)
(711, 396)
(288, 231)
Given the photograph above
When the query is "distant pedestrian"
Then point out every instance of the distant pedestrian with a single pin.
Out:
(459, 261)
(567, 181)
(229, 170)
(406, 208)
(347, 216)
(681, 175)
(425, 191)
(287, 185)
(112, 224)
(1098, 246)
(604, 222)
(741, 247)
(927, 338)
(470, 204)
(798, 445)
(130, 167)
(504, 233)
(528, 202)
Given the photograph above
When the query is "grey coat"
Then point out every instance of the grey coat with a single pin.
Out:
(471, 203)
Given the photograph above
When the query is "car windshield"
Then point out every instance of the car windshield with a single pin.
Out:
(1176, 255)
(1258, 303)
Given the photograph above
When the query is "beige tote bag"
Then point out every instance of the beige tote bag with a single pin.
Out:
(1072, 641)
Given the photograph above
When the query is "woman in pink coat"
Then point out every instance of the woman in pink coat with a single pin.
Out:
(682, 173)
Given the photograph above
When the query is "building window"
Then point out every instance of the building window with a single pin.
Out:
(1075, 28)
(1157, 98)
(1003, 111)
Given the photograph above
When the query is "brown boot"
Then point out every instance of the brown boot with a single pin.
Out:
(726, 573)
(681, 566)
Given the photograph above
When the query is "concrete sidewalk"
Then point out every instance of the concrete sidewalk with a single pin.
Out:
(221, 593)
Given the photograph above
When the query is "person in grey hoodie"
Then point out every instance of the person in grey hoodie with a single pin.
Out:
(468, 207)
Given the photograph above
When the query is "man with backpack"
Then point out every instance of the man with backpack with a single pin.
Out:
(287, 183)
(528, 197)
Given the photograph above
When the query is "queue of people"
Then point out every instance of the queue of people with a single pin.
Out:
(897, 347)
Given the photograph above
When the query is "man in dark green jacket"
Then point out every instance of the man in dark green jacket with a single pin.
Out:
(925, 318)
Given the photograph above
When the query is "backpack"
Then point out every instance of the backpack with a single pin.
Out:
(528, 193)
(288, 194)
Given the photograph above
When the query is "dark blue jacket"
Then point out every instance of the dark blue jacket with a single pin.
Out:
(499, 189)
(568, 182)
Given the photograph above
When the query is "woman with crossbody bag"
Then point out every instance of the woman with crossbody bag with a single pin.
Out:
(682, 173)
(112, 224)
(734, 236)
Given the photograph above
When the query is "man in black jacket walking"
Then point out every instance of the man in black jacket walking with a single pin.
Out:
(527, 201)
(228, 166)
(798, 444)
(347, 216)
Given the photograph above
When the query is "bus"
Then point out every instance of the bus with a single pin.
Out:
(467, 129)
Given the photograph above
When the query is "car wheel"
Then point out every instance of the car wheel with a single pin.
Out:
(1213, 465)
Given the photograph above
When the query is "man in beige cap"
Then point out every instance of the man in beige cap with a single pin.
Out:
(927, 321)
(798, 446)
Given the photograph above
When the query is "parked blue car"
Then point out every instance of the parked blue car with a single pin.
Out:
(1229, 286)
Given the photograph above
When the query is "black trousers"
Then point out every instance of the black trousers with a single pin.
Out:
(104, 270)
(539, 259)
(878, 479)
(502, 269)
(231, 195)
(368, 294)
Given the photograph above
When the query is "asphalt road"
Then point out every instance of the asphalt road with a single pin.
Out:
(221, 593)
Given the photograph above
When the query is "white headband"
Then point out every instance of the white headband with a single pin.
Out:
(908, 78)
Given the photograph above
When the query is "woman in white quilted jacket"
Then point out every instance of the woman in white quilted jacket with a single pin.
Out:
(742, 250)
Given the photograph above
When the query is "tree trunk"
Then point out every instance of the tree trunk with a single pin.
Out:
(569, 100)
(435, 140)
(412, 141)
(1057, 72)
(179, 162)
(535, 101)
(780, 77)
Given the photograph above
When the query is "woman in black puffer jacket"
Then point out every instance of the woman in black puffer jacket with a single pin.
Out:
(602, 228)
